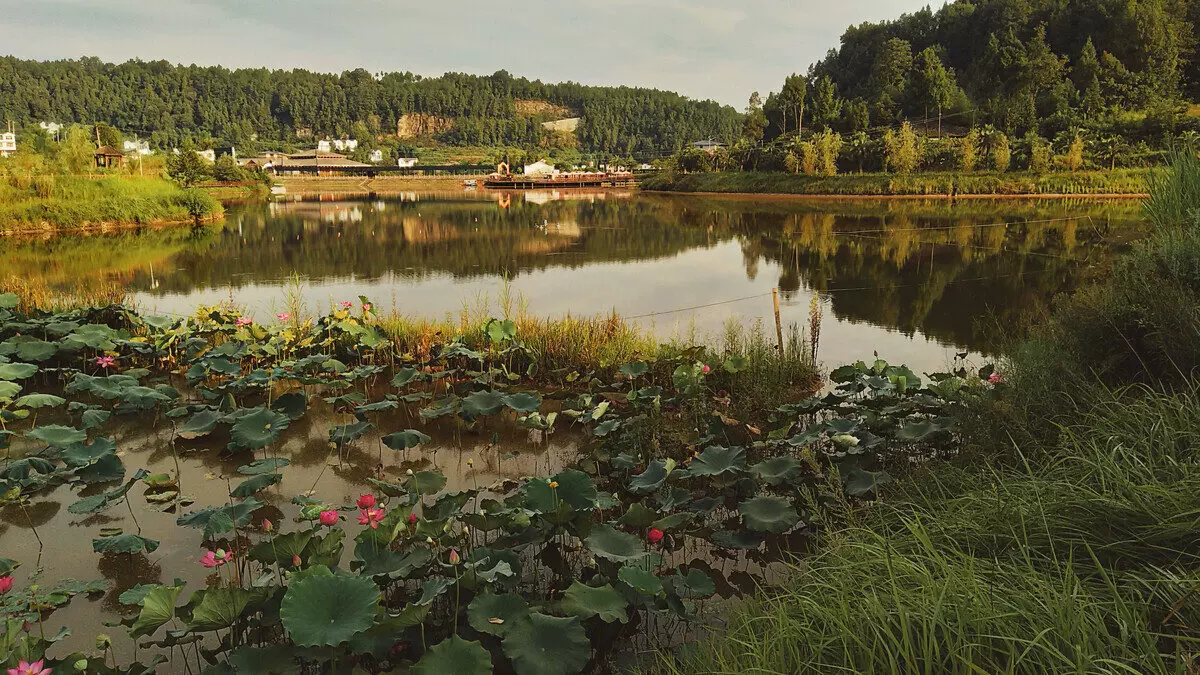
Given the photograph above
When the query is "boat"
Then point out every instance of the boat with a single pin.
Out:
(470, 183)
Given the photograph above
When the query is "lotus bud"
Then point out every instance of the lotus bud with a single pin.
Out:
(429, 540)
(295, 561)
(103, 641)
(412, 519)
(454, 559)
(845, 440)
(408, 473)
(267, 525)
(553, 483)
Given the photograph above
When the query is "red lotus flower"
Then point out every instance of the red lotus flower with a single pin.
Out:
(244, 321)
(283, 316)
(295, 561)
(706, 370)
(366, 501)
(996, 378)
(412, 519)
(367, 307)
(329, 518)
(655, 535)
(106, 361)
(371, 517)
(211, 559)
(346, 304)
(6, 584)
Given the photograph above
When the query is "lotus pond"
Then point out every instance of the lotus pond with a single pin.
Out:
(212, 493)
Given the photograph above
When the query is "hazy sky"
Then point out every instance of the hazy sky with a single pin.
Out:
(703, 48)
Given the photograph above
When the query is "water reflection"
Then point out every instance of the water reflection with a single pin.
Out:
(916, 281)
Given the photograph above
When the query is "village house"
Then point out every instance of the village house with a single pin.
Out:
(540, 168)
(344, 145)
(376, 156)
(8, 143)
(406, 162)
(710, 146)
(324, 146)
(136, 147)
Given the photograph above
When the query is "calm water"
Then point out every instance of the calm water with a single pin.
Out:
(917, 282)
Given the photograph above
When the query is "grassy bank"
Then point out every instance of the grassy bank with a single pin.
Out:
(1122, 181)
(49, 201)
(1061, 538)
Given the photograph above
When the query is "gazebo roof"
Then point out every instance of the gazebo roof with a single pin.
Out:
(108, 151)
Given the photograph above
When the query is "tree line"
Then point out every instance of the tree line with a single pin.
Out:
(170, 104)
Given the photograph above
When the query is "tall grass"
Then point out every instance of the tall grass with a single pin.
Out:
(75, 201)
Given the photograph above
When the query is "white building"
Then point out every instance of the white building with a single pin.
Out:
(324, 146)
(8, 143)
(51, 128)
(376, 156)
(344, 145)
(137, 147)
(540, 168)
(406, 162)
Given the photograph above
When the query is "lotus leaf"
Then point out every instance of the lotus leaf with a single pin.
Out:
(769, 514)
(777, 470)
(637, 515)
(547, 645)
(497, 614)
(915, 432)
(9, 300)
(695, 584)
(649, 480)
(575, 488)
(524, 403)
(292, 404)
(432, 588)
(8, 390)
(263, 466)
(221, 607)
(640, 580)
(200, 424)
(255, 484)
(324, 611)
(282, 548)
(716, 460)
(611, 544)
(349, 433)
(273, 660)
(258, 429)
(739, 539)
(404, 440)
(480, 403)
(94, 418)
(158, 608)
(57, 436)
(124, 543)
(36, 350)
(863, 484)
(79, 454)
(17, 371)
(587, 601)
(216, 521)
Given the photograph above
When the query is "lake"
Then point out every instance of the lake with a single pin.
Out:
(919, 282)
(915, 281)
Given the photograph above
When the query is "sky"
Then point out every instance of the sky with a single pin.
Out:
(705, 49)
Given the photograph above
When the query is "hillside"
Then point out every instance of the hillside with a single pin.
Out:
(171, 104)
(1022, 65)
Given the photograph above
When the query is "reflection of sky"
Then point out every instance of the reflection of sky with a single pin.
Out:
(695, 277)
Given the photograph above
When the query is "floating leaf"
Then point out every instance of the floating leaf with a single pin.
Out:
(496, 614)
(404, 440)
(455, 655)
(263, 466)
(255, 484)
(769, 514)
(258, 429)
(480, 403)
(777, 470)
(547, 645)
(17, 371)
(325, 611)
(57, 435)
(610, 544)
(200, 424)
(124, 543)
(716, 460)
(587, 601)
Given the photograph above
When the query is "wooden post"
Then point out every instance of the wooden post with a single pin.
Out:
(778, 323)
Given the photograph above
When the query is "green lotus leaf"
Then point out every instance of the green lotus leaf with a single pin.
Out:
(428, 482)
(17, 371)
(37, 401)
(94, 418)
(587, 601)
(36, 350)
(769, 514)
(651, 479)
(915, 432)
(575, 488)
(547, 645)
(496, 614)
(216, 521)
(735, 364)
(841, 426)
(349, 433)
(694, 584)
(378, 561)
(432, 588)
(9, 300)
(378, 406)
(158, 607)
(105, 470)
(8, 390)
(221, 607)
(273, 660)
(637, 515)
(142, 398)
(449, 405)
(281, 549)
(640, 580)
(137, 594)
(263, 466)
(292, 404)
(258, 429)
(636, 369)
(673, 521)
(405, 376)
(80, 455)
(455, 655)
(777, 470)
(124, 543)
(255, 484)
(501, 331)
(324, 550)
(57, 435)
(611, 544)
(200, 424)
(523, 403)
(863, 484)
(325, 611)
(716, 460)
(480, 403)
(404, 440)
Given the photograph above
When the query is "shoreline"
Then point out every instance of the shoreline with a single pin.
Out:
(46, 228)
(830, 196)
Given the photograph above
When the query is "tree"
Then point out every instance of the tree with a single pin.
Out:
(810, 158)
(755, 122)
(791, 163)
(903, 153)
(935, 84)
(829, 147)
(187, 167)
(108, 135)
(76, 150)
(1001, 152)
(889, 75)
(826, 105)
(792, 98)
(1074, 156)
(968, 151)
(227, 170)
(856, 116)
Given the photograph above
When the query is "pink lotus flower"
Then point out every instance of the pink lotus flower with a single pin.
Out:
(454, 557)
(283, 316)
(706, 370)
(6, 584)
(26, 668)
(366, 501)
(295, 561)
(346, 304)
(367, 307)
(371, 517)
(106, 361)
(211, 559)
(267, 525)
(655, 535)
(329, 518)
(996, 378)
(244, 321)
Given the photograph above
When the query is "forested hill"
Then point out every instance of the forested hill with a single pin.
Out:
(1018, 64)
(171, 104)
